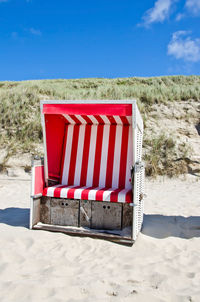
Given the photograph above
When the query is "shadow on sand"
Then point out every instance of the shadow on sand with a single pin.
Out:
(157, 226)
(160, 226)
(18, 217)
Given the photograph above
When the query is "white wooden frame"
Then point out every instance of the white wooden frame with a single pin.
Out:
(138, 186)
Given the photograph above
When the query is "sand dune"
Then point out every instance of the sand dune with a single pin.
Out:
(163, 264)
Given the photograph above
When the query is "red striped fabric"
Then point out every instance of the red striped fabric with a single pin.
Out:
(98, 152)
(85, 157)
(85, 193)
(97, 119)
(74, 118)
(90, 193)
(110, 159)
(96, 155)
(100, 194)
(123, 159)
(97, 158)
(57, 191)
(71, 192)
(72, 163)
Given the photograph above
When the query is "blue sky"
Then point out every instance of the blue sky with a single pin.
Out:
(47, 39)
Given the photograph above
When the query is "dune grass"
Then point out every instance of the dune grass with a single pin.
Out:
(161, 153)
(20, 127)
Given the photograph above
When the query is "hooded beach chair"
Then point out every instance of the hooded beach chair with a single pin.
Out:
(91, 180)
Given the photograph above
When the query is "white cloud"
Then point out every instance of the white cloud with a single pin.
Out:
(158, 13)
(182, 46)
(180, 16)
(35, 32)
(193, 6)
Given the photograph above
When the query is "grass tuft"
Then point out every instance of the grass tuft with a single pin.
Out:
(161, 153)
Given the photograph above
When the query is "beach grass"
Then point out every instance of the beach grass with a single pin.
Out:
(20, 112)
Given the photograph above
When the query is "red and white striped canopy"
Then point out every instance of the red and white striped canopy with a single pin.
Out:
(98, 119)
(97, 155)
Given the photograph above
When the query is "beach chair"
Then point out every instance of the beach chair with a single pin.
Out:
(91, 180)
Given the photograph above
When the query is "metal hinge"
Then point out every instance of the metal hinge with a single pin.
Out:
(138, 167)
(37, 160)
(36, 196)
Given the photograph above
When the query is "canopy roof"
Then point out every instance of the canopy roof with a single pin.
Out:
(89, 109)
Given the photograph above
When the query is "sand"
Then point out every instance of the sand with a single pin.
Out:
(162, 265)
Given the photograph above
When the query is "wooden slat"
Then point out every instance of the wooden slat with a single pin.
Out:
(84, 232)
(127, 216)
(85, 213)
(36, 211)
(45, 211)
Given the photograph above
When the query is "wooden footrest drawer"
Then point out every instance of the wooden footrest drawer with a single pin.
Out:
(59, 211)
(85, 213)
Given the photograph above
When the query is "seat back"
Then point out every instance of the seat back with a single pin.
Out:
(98, 151)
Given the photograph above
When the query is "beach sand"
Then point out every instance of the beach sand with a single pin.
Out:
(162, 265)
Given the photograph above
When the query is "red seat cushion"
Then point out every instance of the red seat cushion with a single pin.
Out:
(90, 193)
